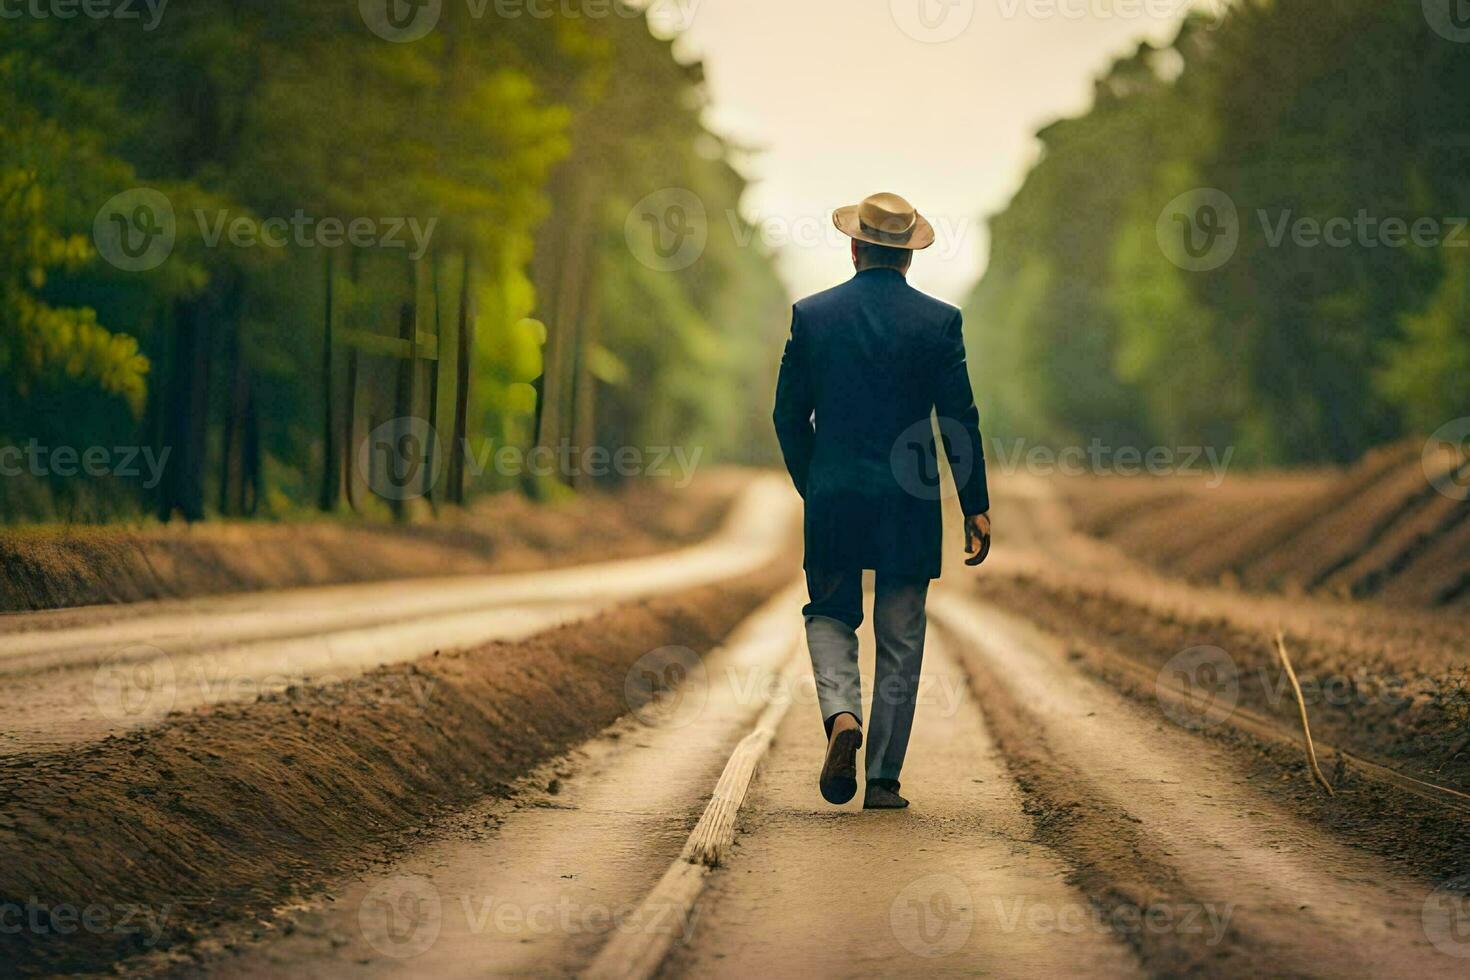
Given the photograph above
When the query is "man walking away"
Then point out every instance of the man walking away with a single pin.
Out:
(866, 364)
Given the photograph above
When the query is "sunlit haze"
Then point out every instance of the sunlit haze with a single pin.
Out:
(842, 101)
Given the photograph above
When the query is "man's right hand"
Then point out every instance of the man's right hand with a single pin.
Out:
(977, 538)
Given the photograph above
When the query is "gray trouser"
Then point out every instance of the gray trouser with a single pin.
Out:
(832, 619)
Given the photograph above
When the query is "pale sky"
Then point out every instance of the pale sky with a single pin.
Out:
(846, 100)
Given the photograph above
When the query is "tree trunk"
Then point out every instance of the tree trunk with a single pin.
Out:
(186, 413)
(465, 351)
(252, 481)
(237, 401)
(331, 465)
(349, 420)
(584, 393)
(562, 335)
(231, 467)
(403, 402)
(431, 459)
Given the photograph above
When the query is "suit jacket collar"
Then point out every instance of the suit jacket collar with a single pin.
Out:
(880, 272)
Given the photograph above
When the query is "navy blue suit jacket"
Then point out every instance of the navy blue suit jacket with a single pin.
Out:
(865, 365)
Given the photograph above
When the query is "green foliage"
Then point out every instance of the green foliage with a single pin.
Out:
(1425, 371)
(1295, 109)
(520, 141)
(39, 341)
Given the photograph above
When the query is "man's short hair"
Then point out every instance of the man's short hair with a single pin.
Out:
(882, 256)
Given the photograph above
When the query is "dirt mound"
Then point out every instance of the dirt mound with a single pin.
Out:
(225, 813)
(1411, 720)
(1380, 529)
(59, 567)
(1126, 857)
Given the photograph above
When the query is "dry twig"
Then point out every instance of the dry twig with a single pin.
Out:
(1302, 707)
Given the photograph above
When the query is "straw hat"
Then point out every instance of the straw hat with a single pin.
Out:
(885, 219)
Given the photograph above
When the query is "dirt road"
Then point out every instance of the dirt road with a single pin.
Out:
(1144, 809)
(1065, 820)
(78, 675)
(1059, 827)
(953, 882)
(536, 884)
(957, 885)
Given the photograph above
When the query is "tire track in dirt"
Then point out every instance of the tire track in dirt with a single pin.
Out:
(224, 814)
(1389, 722)
(956, 885)
(1149, 813)
(534, 885)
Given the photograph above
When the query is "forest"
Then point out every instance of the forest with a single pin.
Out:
(238, 238)
(1327, 312)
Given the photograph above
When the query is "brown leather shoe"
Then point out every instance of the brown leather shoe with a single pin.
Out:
(882, 794)
(839, 772)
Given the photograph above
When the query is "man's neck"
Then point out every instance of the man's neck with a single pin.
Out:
(881, 268)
